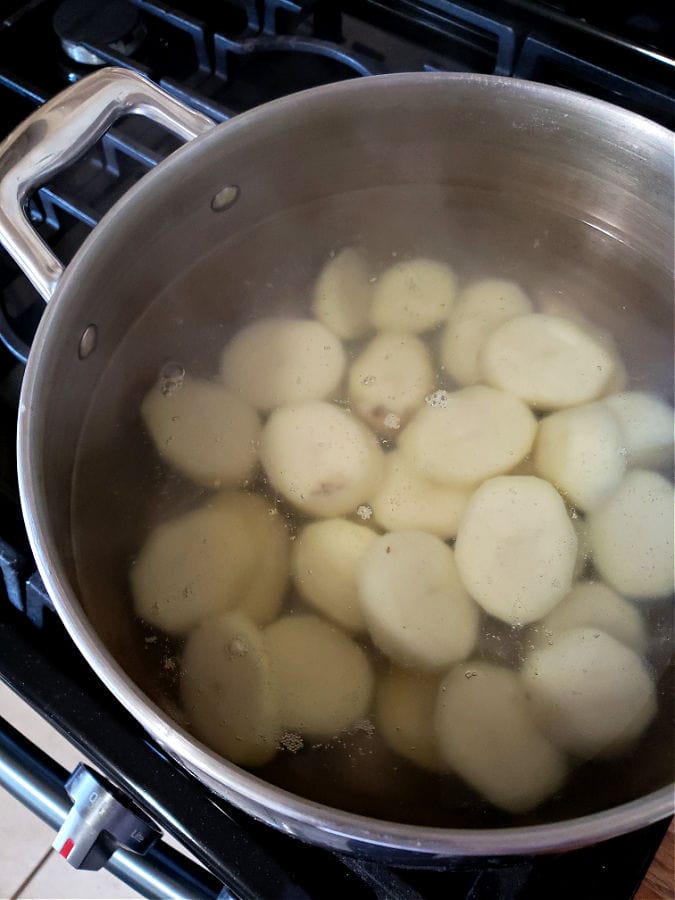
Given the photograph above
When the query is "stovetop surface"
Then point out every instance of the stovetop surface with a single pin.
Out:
(223, 59)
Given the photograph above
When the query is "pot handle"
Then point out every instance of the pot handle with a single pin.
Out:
(62, 130)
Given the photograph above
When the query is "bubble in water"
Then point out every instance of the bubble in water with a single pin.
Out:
(438, 399)
(291, 741)
(171, 378)
(237, 647)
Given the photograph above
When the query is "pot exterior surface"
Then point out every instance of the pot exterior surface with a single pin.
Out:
(510, 145)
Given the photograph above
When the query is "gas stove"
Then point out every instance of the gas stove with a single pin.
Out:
(222, 59)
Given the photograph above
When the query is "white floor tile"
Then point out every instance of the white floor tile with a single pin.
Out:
(24, 840)
(56, 880)
(38, 730)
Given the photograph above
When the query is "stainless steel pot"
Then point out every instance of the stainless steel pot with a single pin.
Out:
(507, 144)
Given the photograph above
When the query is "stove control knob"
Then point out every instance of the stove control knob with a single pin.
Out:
(100, 822)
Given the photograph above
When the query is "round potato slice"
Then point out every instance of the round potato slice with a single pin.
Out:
(192, 567)
(413, 296)
(405, 703)
(646, 424)
(389, 380)
(325, 560)
(203, 430)
(276, 362)
(322, 459)
(228, 691)
(593, 604)
(479, 309)
(581, 451)
(325, 679)
(549, 362)
(487, 734)
(516, 548)
(590, 694)
(471, 435)
(262, 592)
(342, 295)
(406, 501)
(631, 536)
(417, 610)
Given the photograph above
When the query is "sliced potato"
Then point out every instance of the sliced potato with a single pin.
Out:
(590, 694)
(262, 592)
(276, 362)
(228, 690)
(475, 433)
(389, 380)
(325, 679)
(192, 567)
(322, 459)
(406, 501)
(516, 548)
(325, 560)
(342, 295)
(405, 704)
(417, 610)
(413, 296)
(593, 604)
(204, 431)
(580, 450)
(487, 734)
(646, 424)
(631, 536)
(479, 309)
(549, 362)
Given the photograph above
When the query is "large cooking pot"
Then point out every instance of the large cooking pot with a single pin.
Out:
(533, 178)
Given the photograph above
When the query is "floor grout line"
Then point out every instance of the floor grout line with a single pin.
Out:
(36, 868)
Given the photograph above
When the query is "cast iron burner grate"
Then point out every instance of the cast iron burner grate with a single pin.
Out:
(222, 59)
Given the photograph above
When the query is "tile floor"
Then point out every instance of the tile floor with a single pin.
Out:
(29, 868)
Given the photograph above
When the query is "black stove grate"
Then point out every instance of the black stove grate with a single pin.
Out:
(222, 59)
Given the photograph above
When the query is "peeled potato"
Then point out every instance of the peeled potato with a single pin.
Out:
(389, 380)
(203, 430)
(516, 548)
(631, 536)
(580, 451)
(228, 690)
(342, 295)
(325, 679)
(192, 567)
(473, 434)
(275, 362)
(646, 424)
(590, 694)
(487, 734)
(262, 592)
(549, 362)
(405, 703)
(406, 501)
(479, 309)
(413, 296)
(321, 458)
(325, 559)
(595, 605)
(417, 610)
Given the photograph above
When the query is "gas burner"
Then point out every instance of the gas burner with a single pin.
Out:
(115, 24)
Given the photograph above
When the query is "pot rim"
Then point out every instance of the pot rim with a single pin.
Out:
(318, 822)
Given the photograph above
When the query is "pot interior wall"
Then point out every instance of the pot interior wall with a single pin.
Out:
(487, 182)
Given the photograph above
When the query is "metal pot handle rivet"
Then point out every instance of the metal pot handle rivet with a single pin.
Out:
(58, 133)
